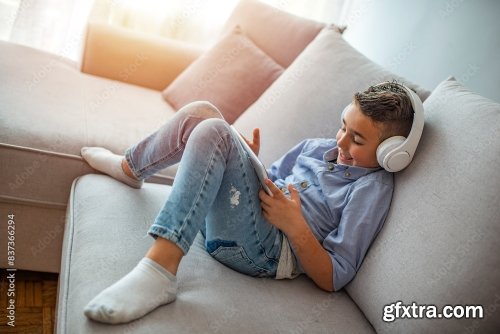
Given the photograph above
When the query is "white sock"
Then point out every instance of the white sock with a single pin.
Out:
(142, 290)
(109, 163)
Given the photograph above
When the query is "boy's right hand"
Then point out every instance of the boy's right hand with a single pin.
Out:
(281, 211)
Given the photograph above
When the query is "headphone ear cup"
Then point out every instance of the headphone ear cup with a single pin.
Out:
(386, 147)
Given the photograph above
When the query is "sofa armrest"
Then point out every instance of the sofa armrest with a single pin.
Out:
(121, 54)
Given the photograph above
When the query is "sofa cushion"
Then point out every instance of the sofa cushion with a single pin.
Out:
(48, 111)
(50, 106)
(123, 54)
(231, 75)
(104, 239)
(307, 99)
(290, 33)
(440, 243)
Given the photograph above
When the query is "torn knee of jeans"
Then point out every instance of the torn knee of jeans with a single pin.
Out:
(234, 197)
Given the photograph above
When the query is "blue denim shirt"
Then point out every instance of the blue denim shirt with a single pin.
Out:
(345, 206)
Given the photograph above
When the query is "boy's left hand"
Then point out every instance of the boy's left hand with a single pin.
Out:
(283, 212)
(255, 143)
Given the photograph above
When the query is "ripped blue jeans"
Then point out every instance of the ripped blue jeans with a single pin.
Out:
(215, 191)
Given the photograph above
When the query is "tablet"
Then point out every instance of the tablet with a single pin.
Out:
(258, 166)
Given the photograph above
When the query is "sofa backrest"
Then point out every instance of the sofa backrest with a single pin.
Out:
(290, 33)
(122, 54)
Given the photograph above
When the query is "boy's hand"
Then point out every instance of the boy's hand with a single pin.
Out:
(255, 143)
(283, 212)
(286, 214)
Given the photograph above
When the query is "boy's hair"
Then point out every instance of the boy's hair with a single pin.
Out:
(388, 104)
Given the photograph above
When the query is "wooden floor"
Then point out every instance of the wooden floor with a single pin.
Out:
(35, 302)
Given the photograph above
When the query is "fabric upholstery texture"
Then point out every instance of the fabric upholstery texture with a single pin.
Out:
(440, 240)
(49, 110)
(307, 100)
(231, 75)
(439, 244)
(103, 242)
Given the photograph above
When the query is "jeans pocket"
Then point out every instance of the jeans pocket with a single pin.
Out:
(237, 259)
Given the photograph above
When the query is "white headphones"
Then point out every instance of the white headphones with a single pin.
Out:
(396, 153)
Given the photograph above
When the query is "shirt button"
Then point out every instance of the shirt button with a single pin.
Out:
(283, 189)
(331, 166)
(303, 184)
(347, 174)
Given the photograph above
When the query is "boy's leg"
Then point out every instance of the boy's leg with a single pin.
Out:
(236, 232)
(225, 204)
(159, 150)
(210, 160)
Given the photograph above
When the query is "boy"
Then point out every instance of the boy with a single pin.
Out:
(329, 200)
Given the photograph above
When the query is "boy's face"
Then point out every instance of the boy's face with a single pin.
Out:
(357, 139)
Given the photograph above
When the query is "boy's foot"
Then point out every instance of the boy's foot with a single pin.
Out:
(142, 290)
(109, 163)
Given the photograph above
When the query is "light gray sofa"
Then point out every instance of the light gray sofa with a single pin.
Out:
(439, 245)
(51, 107)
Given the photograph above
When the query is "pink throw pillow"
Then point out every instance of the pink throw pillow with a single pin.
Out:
(231, 75)
(281, 35)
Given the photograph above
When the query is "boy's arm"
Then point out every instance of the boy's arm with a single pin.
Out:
(285, 213)
(362, 217)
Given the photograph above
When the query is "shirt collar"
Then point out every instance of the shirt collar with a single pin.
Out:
(350, 172)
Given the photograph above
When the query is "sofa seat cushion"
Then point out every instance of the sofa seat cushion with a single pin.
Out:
(49, 106)
(106, 236)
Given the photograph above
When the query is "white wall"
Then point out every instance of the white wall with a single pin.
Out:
(428, 40)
